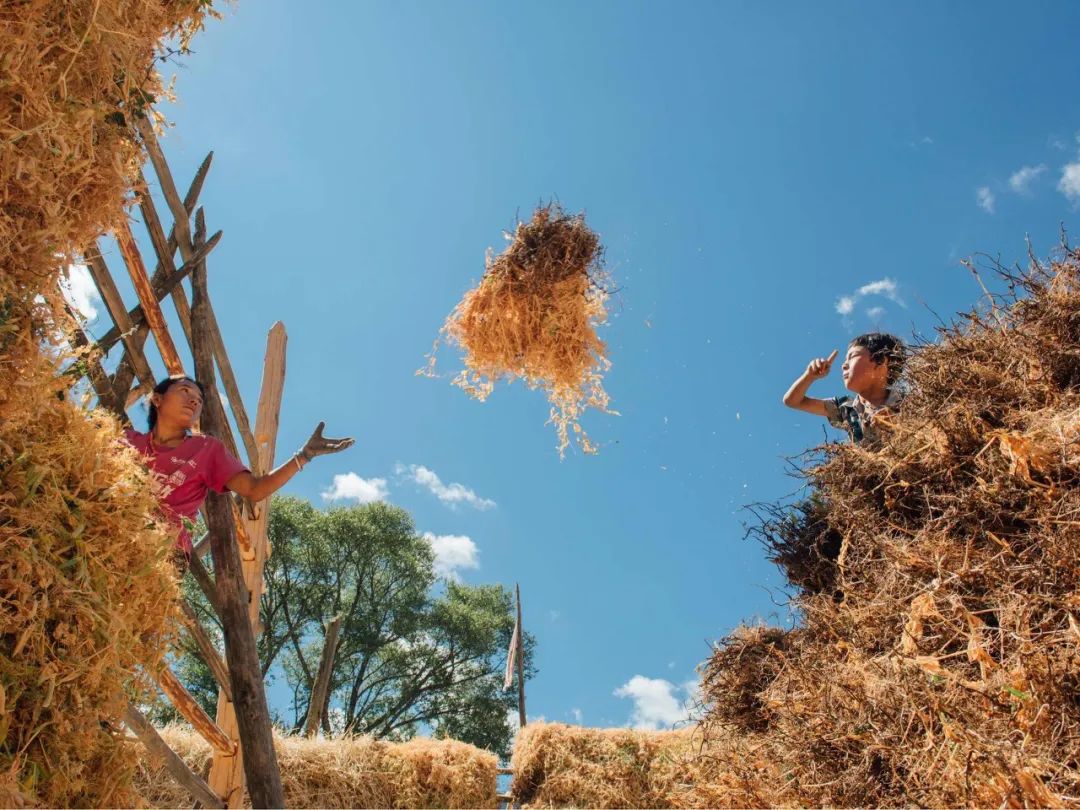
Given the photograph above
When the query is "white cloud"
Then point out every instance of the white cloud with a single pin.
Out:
(655, 703)
(985, 198)
(453, 553)
(887, 287)
(577, 715)
(845, 304)
(450, 494)
(1069, 184)
(80, 291)
(1021, 180)
(351, 487)
(875, 312)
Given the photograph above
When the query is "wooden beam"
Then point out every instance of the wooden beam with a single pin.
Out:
(97, 375)
(321, 687)
(103, 280)
(193, 712)
(147, 299)
(245, 674)
(206, 647)
(159, 289)
(188, 779)
(205, 581)
(227, 774)
(186, 243)
(165, 178)
(228, 377)
(520, 659)
(125, 373)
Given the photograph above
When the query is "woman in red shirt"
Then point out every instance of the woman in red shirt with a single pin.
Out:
(186, 465)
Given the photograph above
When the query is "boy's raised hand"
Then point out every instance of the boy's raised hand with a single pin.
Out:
(820, 367)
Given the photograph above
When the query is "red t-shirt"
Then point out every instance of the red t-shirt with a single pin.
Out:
(184, 473)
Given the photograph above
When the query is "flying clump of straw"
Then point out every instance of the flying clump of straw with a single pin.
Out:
(534, 317)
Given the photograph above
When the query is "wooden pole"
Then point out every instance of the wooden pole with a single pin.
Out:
(137, 317)
(227, 773)
(245, 674)
(125, 372)
(147, 299)
(195, 785)
(192, 711)
(520, 659)
(206, 647)
(321, 687)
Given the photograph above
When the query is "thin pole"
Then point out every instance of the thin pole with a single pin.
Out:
(520, 659)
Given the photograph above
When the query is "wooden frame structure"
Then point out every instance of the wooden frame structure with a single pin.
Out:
(240, 735)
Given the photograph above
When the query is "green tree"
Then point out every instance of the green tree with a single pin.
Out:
(414, 652)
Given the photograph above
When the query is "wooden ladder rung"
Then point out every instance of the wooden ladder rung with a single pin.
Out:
(193, 712)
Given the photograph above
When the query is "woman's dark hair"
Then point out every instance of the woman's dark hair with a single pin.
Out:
(884, 347)
(164, 386)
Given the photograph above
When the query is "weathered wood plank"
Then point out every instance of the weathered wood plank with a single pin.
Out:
(147, 299)
(103, 280)
(245, 675)
(124, 372)
(159, 290)
(206, 647)
(185, 242)
(188, 779)
(322, 680)
(192, 711)
(227, 774)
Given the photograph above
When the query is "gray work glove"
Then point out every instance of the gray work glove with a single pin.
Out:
(317, 445)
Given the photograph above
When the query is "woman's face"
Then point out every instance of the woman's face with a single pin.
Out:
(861, 373)
(180, 405)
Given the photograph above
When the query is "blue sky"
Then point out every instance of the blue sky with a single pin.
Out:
(750, 167)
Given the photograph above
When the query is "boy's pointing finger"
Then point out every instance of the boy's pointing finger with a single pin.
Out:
(833, 356)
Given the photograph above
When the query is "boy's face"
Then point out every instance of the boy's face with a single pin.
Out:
(861, 374)
(180, 405)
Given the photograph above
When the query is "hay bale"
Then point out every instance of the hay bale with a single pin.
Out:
(347, 772)
(534, 316)
(557, 765)
(86, 594)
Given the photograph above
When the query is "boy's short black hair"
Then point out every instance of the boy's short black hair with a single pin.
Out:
(164, 386)
(884, 347)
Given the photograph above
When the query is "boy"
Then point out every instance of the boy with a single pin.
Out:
(871, 369)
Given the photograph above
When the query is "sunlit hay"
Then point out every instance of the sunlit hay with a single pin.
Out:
(946, 674)
(346, 772)
(742, 667)
(534, 317)
(87, 593)
(800, 541)
(558, 765)
(74, 72)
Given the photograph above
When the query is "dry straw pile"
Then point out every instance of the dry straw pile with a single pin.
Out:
(534, 317)
(558, 765)
(86, 592)
(938, 575)
(349, 772)
(85, 589)
(938, 663)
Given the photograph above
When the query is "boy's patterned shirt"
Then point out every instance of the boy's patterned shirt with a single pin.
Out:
(855, 415)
